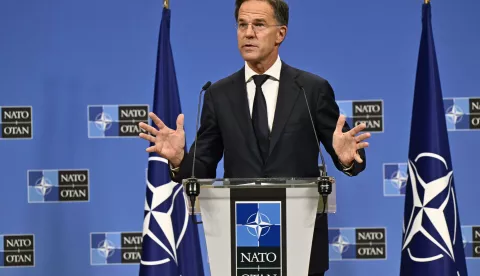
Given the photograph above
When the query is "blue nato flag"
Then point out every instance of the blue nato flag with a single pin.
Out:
(171, 245)
(432, 242)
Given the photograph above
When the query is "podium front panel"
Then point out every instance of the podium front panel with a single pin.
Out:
(301, 213)
(215, 205)
(255, 231)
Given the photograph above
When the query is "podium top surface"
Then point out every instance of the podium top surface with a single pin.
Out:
(305, 185)
(282, 182)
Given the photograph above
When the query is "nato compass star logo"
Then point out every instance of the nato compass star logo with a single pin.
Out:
(103, 121)
(106, 248)
(163, 234)
(395, 179)
(43, 186)
(428, 222)
(258, 225)
(460, 113)
(340, 244)
(454, 114)
(399, 179)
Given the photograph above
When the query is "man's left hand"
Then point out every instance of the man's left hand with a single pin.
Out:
(347, 144)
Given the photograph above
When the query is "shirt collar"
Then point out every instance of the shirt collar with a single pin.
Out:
(273, 71)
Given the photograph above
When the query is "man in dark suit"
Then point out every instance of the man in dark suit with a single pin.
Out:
(258, 120)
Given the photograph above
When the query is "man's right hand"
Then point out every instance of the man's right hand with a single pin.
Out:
(168, 143)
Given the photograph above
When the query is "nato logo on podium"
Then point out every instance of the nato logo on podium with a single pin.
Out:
(258, 237)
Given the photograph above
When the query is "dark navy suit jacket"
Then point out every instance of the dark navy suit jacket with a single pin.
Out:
(226, 130)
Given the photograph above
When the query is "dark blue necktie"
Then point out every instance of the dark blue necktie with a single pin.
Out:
(260, 117)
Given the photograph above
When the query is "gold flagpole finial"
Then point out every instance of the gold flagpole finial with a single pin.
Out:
(166, 4)
(427, 1)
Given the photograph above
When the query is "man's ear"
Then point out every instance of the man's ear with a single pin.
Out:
(281, 34)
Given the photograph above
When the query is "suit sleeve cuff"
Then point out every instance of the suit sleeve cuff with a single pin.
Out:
(345, 169)
(173, 170)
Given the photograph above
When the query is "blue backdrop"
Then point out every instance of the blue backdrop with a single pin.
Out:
(62, 61)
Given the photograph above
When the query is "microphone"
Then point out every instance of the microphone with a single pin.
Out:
(204, 88)
(192, 184)
(324, 182)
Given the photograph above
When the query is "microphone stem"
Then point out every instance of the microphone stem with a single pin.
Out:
(323, 171)
(196, 133)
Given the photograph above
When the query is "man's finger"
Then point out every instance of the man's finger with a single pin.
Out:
(148, 128)
(358, 158)
(357, 129)
(180, 120)
(151, 149)
(362, 137)
(362, 145)
(340, 123)
(156, 120)
(147, 137)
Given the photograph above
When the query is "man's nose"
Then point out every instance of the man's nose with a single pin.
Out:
(249, 32)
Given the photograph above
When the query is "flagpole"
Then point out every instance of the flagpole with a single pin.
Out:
(166, 4)
(425, 1)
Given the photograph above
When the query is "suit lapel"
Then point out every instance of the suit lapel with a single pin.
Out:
(287, 96)
(240, 109)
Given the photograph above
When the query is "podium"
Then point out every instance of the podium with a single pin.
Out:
(261, 226)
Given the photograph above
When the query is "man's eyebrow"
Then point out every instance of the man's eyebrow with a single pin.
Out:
(259, 20)
(256, 20)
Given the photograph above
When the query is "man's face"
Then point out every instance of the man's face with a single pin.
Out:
(258, 34)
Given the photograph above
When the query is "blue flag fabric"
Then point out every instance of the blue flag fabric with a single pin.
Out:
(432, 239)
(171, 245)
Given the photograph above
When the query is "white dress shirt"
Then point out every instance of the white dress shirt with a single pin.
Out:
(270, 88)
